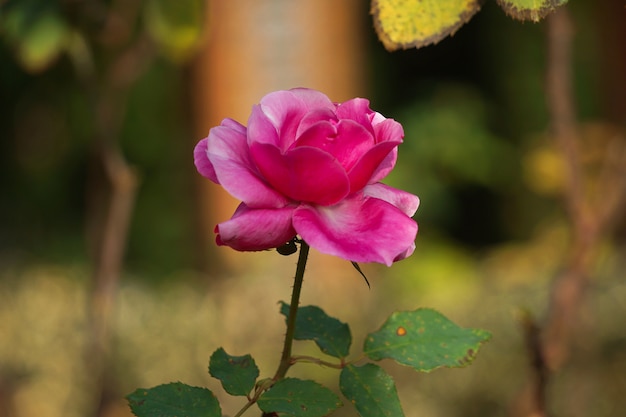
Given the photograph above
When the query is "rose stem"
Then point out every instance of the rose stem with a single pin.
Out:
(285, 360)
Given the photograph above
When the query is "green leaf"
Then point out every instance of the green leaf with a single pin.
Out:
(174, 400)
(331, 336)
(238, 374)
(424, 340)
(371, 390)
(534, 10)
(296, 397)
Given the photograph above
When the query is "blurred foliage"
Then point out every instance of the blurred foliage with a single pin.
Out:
(40, 31)
(55, 58)
(175, 26)
(457, 166)
(36, 30)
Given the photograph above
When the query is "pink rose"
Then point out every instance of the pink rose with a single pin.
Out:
(309, 167)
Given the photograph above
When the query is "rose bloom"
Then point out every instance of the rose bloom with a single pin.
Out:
(307, 166)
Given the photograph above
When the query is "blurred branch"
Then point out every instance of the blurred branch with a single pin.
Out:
(569, 286)
(537, 386)
(550, 345)
(613, 179)
(108, 265)
(113, 184)
(561, 107)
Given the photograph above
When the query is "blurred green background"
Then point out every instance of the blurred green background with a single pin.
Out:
(493, 230)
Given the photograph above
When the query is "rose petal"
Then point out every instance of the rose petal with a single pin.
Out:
(373, 165)
(256, 229)
(385, 167)
(320, 134)
(313, 117)
(408, 252)
(388, 129)
(261, 129)
(346, 141)
(228, 153)
(358, 110)
(234, 125)
(303, 174)
(406, 202)
(202, 163)
(359, 229)
(313, 99)
(284, 110)
(377, 118)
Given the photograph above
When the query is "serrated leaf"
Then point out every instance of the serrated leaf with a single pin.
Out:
(403, 24)
(237, 374)
(174, 400)
(371, 390)
(534, 10)
(297, 397)
(424, 340)
(331, 335)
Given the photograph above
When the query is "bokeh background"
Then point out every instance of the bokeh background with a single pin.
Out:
(109, 276)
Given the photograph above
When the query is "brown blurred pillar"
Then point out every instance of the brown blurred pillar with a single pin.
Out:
(258, 46)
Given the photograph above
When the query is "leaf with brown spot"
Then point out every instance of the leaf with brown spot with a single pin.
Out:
(427, 341)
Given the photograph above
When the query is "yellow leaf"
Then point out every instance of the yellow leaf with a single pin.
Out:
(534, 10)
(403, 24)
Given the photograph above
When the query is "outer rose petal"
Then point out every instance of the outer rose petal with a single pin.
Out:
(228, 153)
(406, 202)
(256, 229)
(406, 253)
(200, 152)
(359, 229)
(201, 160)
(234, 125)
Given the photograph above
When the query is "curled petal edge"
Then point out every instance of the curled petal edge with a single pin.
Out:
(202, 163)
(256, 229)
(403, 200)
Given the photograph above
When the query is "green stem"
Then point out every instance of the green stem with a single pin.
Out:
(285, 360)
(245, 408)
(317, 361)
